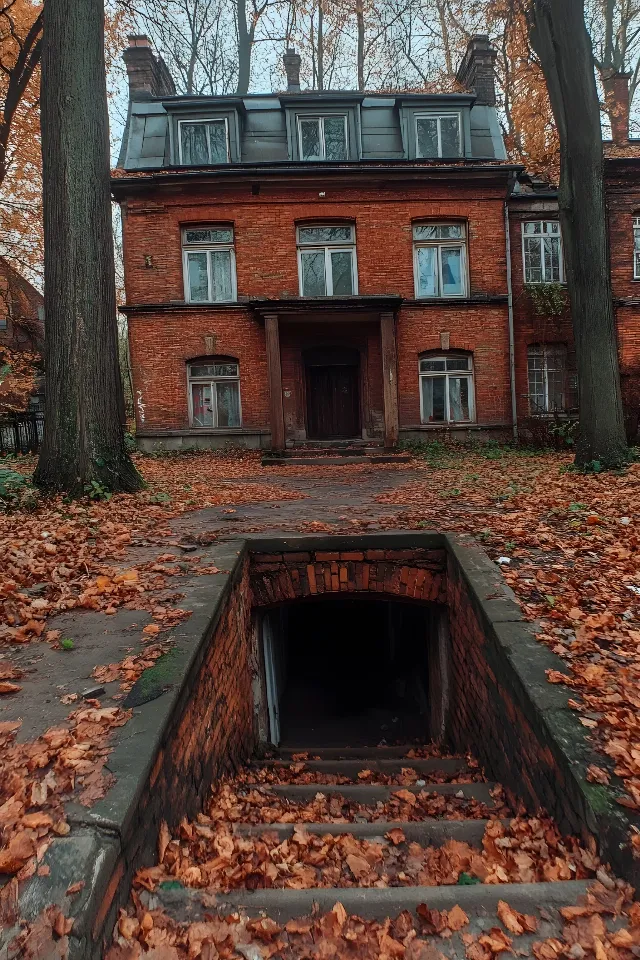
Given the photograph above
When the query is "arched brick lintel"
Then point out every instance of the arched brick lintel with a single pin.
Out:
(408, 574)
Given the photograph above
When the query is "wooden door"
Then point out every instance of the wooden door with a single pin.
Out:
(333, 408)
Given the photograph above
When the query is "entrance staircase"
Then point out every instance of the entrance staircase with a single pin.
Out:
(444, 809)
(334, 453)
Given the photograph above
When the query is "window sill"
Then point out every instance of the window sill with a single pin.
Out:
(468, 300)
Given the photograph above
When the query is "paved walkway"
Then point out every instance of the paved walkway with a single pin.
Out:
(333, 499)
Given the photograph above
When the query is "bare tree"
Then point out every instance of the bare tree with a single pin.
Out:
(614, 26)
(559, 36)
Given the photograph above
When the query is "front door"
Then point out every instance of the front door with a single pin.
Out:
(333, 408)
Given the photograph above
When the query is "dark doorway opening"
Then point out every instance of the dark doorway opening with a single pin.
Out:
(333, 393)
(352, 671)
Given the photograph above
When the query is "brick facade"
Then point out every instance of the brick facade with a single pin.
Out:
(166, 332)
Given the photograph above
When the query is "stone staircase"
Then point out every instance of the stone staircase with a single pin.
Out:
(332, 800)
(334, 452)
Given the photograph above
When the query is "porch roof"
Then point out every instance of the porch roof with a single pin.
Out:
(325, 307)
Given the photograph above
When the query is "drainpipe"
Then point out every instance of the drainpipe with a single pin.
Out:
(512, 343)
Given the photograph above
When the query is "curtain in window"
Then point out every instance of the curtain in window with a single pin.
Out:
(228, 404)
(427, 275)
(202, 405)
(458, 398)
(194, 143)
(221, 275)
(197, 277)
(451, 271)
(433, 399)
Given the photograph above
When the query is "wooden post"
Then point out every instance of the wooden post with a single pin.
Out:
(389, 379)
(274, 374)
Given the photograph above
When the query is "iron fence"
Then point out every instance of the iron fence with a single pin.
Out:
(21, 432)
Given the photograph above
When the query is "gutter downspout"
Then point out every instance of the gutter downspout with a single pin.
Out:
(512, 345)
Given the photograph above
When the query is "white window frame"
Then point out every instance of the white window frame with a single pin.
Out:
(438, 244)
(469, 374)
(329, 247)
(211, 381)
(321, 120)
(203, 120)
(549, 352)
(636, 248)
(541, 236)
(208, 247)
(438, 117)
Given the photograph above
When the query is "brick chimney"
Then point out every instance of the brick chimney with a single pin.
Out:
(616, 96)
(148, 74)
(292, 62)
(476, 72)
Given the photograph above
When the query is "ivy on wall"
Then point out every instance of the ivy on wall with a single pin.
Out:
(549, 299)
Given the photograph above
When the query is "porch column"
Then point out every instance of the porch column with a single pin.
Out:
(389, 379)
(274, 374)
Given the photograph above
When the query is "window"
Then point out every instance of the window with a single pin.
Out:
(446, 389)
(209, 264)
(203, 141)
(636, 248)
(440, 262)
(214, 393)
(438, 136)
(323, 138)
(542, 248)
(553, 381)
(327, 261)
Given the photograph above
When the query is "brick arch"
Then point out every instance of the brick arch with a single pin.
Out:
(418, 574)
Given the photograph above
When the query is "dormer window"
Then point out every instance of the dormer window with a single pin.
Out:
(438, 135)
(323, 138)
(203, 141)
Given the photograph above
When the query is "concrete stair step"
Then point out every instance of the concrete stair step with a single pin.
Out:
(372, 752)
(479, 901)
(337, 461)
(351, 768)
(425, 832)
(366, 793)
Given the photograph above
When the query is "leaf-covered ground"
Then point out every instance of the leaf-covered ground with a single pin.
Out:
(568, 545)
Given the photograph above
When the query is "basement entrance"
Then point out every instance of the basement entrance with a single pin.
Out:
(352, 671)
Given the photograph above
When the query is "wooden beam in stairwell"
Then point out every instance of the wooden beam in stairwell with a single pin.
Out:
(274, 375)
(389, 379)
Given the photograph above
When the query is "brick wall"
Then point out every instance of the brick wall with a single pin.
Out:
(266, 263)
(211, 732)
(413, 573)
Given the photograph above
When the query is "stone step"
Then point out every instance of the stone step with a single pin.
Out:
(351, 768)
(335, 461)
(367, 793)
(374, 903)
(425, 832)
(372, 752)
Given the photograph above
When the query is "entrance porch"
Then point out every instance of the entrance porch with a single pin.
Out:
(332, 370)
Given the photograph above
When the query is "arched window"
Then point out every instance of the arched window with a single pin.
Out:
(446, 388)
(440, 259)
(214, 392)
(327, 260)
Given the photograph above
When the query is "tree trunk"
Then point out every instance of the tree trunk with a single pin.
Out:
(360, 25)
(244, 49)
(559, 37)
(83, 435)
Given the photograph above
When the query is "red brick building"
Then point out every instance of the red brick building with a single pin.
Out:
(330, 266)
(21, 320)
